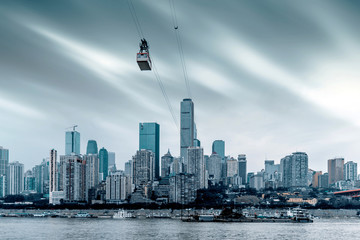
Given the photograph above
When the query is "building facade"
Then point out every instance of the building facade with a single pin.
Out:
(350, 171)
(166, 162)
(103, 164)
(187, 127)
(15, 178)
(149, 139)
(335, 170)
(53, 171)
(143, 169)
(242, 168)
(72, 142)
(196, 166)
(91, 147)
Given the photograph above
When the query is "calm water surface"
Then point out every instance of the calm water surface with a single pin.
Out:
(60, 228)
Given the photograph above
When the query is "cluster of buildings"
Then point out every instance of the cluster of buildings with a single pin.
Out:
(147, 177)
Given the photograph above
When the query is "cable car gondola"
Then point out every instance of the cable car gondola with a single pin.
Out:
(143, 56)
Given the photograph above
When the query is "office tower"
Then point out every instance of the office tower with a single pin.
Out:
(187, 128)
(182, 188)
(41, 174)
(118, 187)
(15, 178)
(91, 147)
(335, 170)
(176, 166)
(72, 142)
(218, 147)
(4, 160)
(143, 168)
(29, 181)
(196, 166)
(350, 171)
(213, 167)
(242, 168)
(53, 171)
(323, 180)
(295, 170)
(149, 139)
(128, 167)
(73, 178)
(197, 143)
(315, 179)
(166, 162)
(92, 170)
(103, 164)
(111, 160)
(231, 167)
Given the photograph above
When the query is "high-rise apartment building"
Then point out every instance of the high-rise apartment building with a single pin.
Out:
(118, 187)
(350, 171)
(196, 166)
(242, 168)
(92, 170)
(232, 167)
(91, 147)
(143, 168)
(187, 127)
(72, 142)
(73, 178)
(15, 178)
(295, 170)
(53, 171)
(103, 164)
(335, 170)
(315, 179)
(29, 181)
(4, 160)
(149, 139)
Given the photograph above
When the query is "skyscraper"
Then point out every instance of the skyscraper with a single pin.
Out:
(166, 162)
(196, 166)
(29, 181)
(103, 163)
(53, 171)
(213, 167)
(295, 170)
(73, 178)
(72, 142)
(149, 139)
(4, 160)
(15, 178)
(111, 160)
(335, 170)
(143, 168)
(187, 129)
(218, 147)
(350, 171)
(91, 147)
(92, 170)
(242, 168)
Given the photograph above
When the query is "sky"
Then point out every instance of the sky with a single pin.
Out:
(268, 77)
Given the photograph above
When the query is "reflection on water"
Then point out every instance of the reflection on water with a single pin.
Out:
(58, 228)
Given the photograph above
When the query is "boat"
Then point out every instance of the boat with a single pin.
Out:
(82, 215)
(122, 214)
(300, 215)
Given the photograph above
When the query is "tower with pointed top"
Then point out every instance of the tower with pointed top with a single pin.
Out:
(166, 161)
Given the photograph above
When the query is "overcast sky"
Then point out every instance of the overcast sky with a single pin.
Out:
(267, 77)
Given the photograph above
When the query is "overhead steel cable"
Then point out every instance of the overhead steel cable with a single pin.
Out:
(180, 48)
(157, 76)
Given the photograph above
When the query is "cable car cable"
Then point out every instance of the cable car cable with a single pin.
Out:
(135, 19)
(180, 48)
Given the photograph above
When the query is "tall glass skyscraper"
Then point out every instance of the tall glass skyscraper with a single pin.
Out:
(187, 125)
(91, 147)
(218, 147)
(72, 142)
(149, 139)
(4, 160)
(103, 163)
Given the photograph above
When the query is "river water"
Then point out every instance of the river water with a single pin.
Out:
(71, 228)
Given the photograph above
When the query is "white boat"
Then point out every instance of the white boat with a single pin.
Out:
(122, 214)
(82, 215)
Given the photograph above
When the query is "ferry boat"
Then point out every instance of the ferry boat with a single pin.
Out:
(300, 215)
(122, 214)
(82, 215)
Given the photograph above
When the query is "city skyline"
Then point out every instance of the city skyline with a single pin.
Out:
(267, 92)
